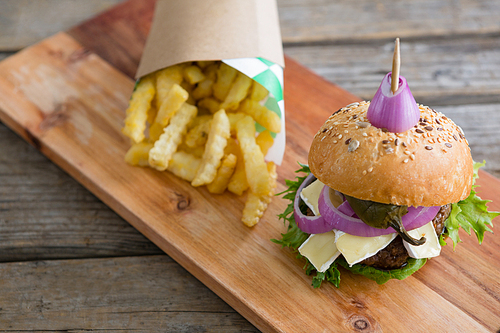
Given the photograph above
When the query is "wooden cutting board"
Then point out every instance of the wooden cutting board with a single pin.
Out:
(67, 96)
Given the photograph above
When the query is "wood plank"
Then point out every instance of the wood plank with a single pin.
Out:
(24, 23)
(439, 71)
(80, 88)
(320, 21)
(302, 21)
(45, 214)
(145, 293)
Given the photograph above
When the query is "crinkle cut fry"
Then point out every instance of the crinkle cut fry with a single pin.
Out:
(161, 153)
(214, 149)
(255, 205)
(137, 112)
(255, 166)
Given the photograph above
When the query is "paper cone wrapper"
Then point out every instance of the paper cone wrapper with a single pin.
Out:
(243, 34)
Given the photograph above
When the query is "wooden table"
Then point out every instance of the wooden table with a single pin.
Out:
(59, 243)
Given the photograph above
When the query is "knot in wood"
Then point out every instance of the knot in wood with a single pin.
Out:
(182, 201)
(360, 324)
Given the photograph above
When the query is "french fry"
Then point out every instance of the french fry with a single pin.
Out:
(214, 149)
(255, 167)
(233, 120)
(209, 103)
(224, 172)
(237, 92)
(193, 74)
(166, 145)
(203, 89)
(199, 119)
(155, 131)
(172, 102)
(261, 114)
(225, 77)
(137, 112)
(184, 165)
(265, 141)
(138, 154)
(255, 205)
(198, 135)
(196, 151)
(204, 64)
(153, 110)
(165, 79)
(238, 182)
(211, 71)
(258, 92)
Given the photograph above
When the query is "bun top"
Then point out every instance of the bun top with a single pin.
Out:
(428, 165)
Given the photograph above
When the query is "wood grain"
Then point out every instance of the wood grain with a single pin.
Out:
(76, 122)
(117, 294)
(46, 214)
(23, 22)
(322, 21)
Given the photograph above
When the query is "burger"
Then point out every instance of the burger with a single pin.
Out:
(380, 202)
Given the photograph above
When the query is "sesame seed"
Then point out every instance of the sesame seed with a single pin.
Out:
(439, 128)
(406, 160)
(346, 131)
(429, 128)
(353, 145)
(340, 136)
(323, 138)
(439, 140)
(355, 116)
(324, 130)
(455, 137)
(412, 156)
(370, 169)
(364, 134)
(372, 140)
(428, 147)
(335, 141)
(385, 142)
(364, 172)
(438, 122)
(448, 145)
(407, 152)
(396, 142)
(347, 141)
(422, 124)
(356, 127)
(404, 144)
(418, 130)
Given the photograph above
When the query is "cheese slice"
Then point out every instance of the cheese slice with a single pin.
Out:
(356, 248)
(431, 248)
(321, 250)
(310, 195)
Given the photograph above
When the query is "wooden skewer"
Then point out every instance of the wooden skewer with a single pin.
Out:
(396, 63)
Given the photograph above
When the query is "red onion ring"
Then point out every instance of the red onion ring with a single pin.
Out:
(309, 224)
(332, 218)
(415, 218)
(397, 112)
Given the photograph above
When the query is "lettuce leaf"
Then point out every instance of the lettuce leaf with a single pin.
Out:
(470, 213)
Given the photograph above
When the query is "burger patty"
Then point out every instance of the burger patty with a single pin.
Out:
(395, 255)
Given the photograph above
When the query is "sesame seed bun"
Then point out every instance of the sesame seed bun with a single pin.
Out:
(428, 165)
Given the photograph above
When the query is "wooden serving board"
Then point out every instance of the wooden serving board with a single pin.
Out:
(67, 96)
